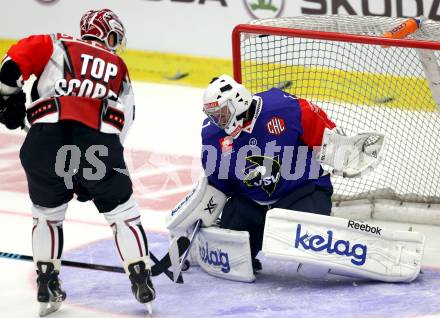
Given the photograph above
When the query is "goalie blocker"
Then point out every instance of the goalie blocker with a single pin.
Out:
(339, 246)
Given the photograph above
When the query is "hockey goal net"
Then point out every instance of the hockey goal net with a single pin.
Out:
(364, 81)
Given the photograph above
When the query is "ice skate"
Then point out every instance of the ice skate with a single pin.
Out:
(141, 285)
(50, 295)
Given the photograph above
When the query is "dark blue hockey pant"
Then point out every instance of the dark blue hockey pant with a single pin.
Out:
(243, 214)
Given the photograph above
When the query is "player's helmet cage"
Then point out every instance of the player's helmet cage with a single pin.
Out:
(100, 24)
(224, 102)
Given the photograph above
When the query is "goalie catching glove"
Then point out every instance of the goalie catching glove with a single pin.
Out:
(350, 156)
(13, 110)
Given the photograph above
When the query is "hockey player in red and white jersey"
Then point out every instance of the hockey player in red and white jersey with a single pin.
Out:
(82, 107)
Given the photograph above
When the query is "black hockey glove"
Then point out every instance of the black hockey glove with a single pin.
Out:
(13, 110)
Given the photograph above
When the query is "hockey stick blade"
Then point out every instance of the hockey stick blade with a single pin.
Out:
(174, 247)
(156, 269)
(165, 262)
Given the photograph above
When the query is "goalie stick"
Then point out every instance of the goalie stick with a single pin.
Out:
(183, 265)
(158, 268)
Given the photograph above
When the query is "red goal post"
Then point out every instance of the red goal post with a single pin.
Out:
(364, 81)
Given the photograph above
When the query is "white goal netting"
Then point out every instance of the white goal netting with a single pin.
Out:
(362, 87)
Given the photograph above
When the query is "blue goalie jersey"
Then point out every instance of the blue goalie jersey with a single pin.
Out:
(273, 155)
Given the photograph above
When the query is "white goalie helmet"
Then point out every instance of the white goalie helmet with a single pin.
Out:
(224, 102)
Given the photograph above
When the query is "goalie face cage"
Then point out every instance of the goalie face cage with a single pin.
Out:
(364, 82)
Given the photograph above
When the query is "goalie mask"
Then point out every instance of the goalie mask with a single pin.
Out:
(100, 24)
(224, 102)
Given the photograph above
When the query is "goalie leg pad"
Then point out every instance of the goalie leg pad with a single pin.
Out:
(243, 214)
(225, 254)
(345, 247)
(192, 256)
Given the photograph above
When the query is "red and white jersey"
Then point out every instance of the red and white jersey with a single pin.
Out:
(76, 80)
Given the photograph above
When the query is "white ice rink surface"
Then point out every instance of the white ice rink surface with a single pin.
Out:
(162, 151)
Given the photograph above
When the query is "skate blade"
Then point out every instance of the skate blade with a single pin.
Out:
(149, 307)
(49, 308)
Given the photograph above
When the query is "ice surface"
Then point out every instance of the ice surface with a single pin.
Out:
(163, 148)
(277, 292)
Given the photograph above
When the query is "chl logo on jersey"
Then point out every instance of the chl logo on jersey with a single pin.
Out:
(262, 172)
(276, 126)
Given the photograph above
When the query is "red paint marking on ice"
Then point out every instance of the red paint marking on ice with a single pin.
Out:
(15, 213)
(68, 220)
(27, 215)
(165, 173)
